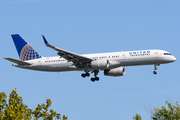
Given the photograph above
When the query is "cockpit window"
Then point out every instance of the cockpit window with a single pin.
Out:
(167, 54)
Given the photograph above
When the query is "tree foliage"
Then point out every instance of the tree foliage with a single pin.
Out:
(15, 109)
(137, 117)
(171, 113)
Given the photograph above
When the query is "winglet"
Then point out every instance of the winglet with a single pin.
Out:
(45, 41)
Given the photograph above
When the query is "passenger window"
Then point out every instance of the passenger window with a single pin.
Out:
(167, 54)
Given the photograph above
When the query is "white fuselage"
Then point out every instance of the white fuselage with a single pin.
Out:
(127, 58)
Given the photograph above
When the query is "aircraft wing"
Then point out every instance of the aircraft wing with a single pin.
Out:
(17, 61)
(78, 60)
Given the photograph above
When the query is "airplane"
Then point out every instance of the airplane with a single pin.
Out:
(111, 63)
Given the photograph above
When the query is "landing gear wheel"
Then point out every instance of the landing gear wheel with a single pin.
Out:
(155, 68)
(154, 72)
(83, 75)
(96, 78)
(93, 79)
(87, 74)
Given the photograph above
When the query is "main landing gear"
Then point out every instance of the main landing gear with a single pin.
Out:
(155, 68)
(95, 79)
(95, 75)
(85, 74)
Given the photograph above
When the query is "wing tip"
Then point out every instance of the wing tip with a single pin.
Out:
(45, 41)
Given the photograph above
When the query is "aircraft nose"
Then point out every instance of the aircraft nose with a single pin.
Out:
(173, 58)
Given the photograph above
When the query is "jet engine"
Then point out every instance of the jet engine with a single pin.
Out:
(120, 71)
(100, 64)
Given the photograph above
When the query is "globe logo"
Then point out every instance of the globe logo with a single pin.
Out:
(28, 53)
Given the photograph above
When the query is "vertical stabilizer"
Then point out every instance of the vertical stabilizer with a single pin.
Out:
(25, 51)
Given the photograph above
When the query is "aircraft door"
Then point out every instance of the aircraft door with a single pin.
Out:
(156, 54)
(124, 56)
(39, 62)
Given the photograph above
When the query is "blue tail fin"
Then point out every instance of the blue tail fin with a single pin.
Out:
(25, 51)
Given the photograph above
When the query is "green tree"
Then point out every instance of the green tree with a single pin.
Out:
(171, 113)
(65, 117)
(137, 117)
(15, 109)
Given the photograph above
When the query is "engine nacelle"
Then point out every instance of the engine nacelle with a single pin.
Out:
(120, 71)
(100, 64)
(113, 64)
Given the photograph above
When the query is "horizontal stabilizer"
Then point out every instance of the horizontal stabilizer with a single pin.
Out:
(17, 61)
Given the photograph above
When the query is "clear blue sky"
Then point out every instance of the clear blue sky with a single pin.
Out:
(93, 26)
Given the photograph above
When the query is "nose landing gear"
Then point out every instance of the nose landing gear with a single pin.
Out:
(154, 72)
(155, 68)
